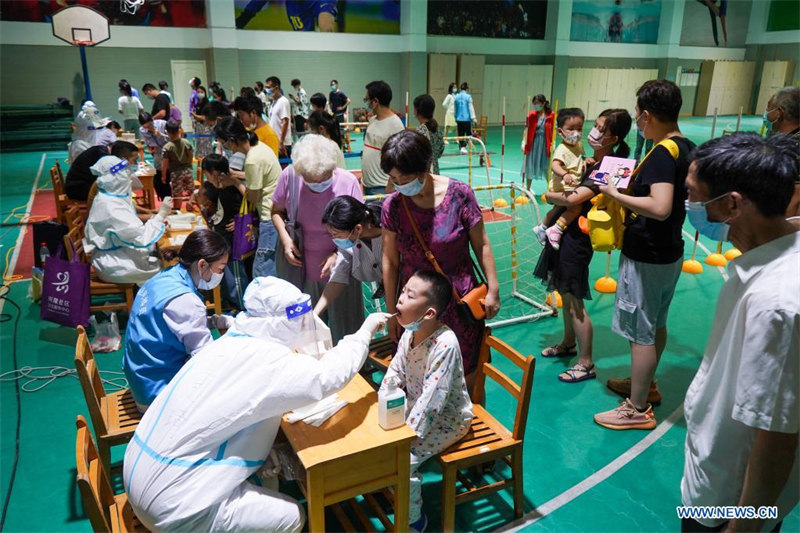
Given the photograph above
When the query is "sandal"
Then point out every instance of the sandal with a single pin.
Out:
(560, 350)
(578, 373)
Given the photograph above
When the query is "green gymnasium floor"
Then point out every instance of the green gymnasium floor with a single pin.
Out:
(578, 476)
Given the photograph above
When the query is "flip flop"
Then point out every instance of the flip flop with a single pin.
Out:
(578, 373)
(559, 350)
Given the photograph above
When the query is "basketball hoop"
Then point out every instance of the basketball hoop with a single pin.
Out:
(82, 27)
(130, 6)
(80, 42)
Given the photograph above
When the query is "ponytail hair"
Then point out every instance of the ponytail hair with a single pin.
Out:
(618, 123)
(545, 103)
(231, 128)
(202, 244)
(321, 118)
(345, 213)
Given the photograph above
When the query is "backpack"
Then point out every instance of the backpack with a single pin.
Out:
(606, 219)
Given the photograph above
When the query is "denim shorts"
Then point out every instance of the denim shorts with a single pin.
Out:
(644, 293)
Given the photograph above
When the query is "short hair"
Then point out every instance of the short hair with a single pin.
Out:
(163, 85)
(345, 213)
(247, 91)
(318, 99)
(315, 156)
(123, 149)
(214, 110)
(231, 128)
(440, 293)
(215, 163)
(274, 80)
(661, 98)
(335, 81)
(295, 82)
(173, 126)
(407, 151)
(145, 117)
(380, 91)
(248, 104)
(788, 101)
(567, 113)
(259, 85)
(148, 87)
(464, 86)
(113, 124)
(196, 81)
(424, 105)
(762, 169)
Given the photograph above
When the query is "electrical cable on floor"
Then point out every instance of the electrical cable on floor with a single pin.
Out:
(113, 381)
(5, 317)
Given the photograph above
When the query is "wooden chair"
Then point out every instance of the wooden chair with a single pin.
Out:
(487, 438)
(107, 511)
(481, 129)
(60, 196)
(73, 244)
(114, 416)
(75, 218)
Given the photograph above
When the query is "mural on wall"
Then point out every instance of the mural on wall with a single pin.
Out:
(172, 13)
(506, 19)
(343, 16)
(615, 21)
(715, 22)
(784, 15)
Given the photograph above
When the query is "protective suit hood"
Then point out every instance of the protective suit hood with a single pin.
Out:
(114, 175)
(277, 311)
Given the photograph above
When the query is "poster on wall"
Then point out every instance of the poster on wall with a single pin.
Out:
(616, 21)
(170, 13)
(507, 19)
(715, 23)
(342, 16)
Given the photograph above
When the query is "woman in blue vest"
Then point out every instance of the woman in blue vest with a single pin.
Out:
(168, 322)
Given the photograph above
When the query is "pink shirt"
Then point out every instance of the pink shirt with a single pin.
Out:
(317, 242)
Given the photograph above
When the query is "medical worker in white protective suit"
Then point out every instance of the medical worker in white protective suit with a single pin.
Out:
(85, 132)
(119, 242)
(214, 424)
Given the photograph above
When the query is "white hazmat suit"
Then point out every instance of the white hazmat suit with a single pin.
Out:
(119, 242)
(86, 125)
(214, 424)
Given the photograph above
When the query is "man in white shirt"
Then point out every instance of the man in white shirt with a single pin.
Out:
(742, 411)
(300, 105)
(280, 112)
(382, 125)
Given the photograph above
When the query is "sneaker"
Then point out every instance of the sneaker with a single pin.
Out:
(464, 150)
(622, 386)
(420, 525)
(626, 417)
(541, 233)
(554, 236)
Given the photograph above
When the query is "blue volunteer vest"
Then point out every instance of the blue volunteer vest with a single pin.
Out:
(461, 102)
(153, 354)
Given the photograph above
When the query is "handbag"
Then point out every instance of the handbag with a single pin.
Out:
(245, 232)
(471, 306)
(286, 271)
(65, 291)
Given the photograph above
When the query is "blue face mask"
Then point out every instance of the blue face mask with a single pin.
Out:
(344, 244)
(321, 186)
(269, 92)
(412, 188)
(698, 217)
(767, 122)
(414, 326)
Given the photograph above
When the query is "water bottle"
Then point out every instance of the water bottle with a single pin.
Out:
(44, 253)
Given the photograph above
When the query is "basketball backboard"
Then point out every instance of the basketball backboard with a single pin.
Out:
(80, 25)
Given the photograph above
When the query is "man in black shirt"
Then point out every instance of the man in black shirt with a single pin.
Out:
(652, 252)
(161, 103)
(338, 102)
(79, 177)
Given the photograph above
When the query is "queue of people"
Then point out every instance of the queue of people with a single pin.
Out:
(415, 249)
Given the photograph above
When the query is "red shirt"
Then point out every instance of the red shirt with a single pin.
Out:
(531, 123)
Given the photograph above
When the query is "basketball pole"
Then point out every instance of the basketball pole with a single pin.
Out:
(85, 68)
(503, 143)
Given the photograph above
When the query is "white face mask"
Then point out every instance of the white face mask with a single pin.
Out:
(215, 280)
(322, 186)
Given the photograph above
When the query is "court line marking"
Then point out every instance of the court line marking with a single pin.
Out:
(12, 265)
(598, 477)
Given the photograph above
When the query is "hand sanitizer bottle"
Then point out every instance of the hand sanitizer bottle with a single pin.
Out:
(391, 406)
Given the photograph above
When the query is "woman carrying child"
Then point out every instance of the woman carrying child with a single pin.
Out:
(537, 137)
(566, 269)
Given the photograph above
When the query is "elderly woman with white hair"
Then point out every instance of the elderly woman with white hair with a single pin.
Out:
(304, 189)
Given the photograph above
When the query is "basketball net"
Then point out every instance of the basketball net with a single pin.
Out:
(130, 6)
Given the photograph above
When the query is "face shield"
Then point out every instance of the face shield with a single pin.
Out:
(312, 336)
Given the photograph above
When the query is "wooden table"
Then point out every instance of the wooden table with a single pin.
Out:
(164, 245)
(148, 189)
(350, 454)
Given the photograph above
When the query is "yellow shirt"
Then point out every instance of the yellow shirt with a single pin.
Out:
(268, 136)
(261, 173)
(571, 158)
